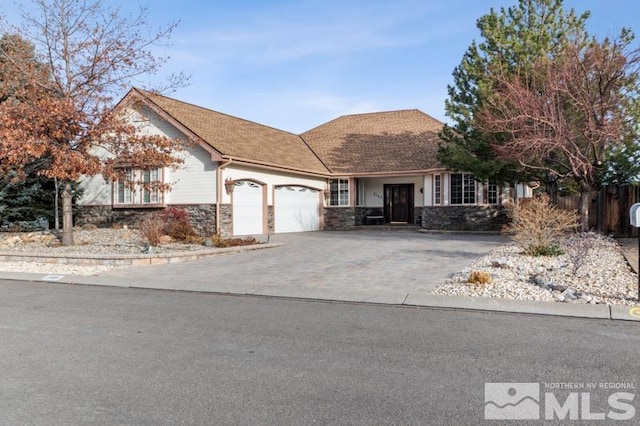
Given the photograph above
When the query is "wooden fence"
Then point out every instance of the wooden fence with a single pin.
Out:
(609, 211)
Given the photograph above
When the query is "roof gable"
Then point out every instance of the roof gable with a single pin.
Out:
(392, 141)
(238, 138)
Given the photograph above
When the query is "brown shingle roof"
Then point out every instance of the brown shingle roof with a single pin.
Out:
(377, 142)
(235, 137)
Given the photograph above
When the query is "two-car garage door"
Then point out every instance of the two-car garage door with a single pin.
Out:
(296, 208)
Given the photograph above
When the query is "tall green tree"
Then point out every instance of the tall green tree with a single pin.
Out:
(26, 200)
(512, 39)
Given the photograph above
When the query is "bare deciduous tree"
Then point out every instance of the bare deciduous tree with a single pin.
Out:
(564, 115)
(62, 111)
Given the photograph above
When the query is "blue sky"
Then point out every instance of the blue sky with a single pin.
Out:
(296, 64)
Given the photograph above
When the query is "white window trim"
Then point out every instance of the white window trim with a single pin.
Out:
(475, 190)
(497, 192)
(342, 185)
(136, 196)
(437, 189)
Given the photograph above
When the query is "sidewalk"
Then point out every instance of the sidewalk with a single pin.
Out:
(416, 299)
(630, 251)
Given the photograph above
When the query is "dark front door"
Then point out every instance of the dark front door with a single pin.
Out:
(398, 203)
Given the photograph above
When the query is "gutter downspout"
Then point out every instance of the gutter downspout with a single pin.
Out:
(219, 189)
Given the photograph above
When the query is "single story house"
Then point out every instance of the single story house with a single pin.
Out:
(245, 178)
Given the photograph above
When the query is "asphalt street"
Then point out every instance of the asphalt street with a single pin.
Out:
(98, 355)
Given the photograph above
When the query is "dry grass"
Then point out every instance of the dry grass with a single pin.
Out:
(538, 225)
(479, 277)
(152, 230)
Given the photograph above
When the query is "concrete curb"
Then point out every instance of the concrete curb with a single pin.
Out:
(508, 305)
(454, 232)
(424, 300)
(128, 259)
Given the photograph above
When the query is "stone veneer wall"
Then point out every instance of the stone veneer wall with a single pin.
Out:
(339, 218)
(464, 218)
(361, 214)
(202, 216)
(270, 222)
(226, 220)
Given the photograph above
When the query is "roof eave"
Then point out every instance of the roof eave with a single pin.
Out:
(390, 173)
(279, 167)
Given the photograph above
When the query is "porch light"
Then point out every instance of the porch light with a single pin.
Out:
(229, 184)
(327, 194)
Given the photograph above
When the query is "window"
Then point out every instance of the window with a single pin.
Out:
(437, 189)
(492, 193)
(339, 192)
(150, 195)
(462, 189)
(138, 187)
(125, 194)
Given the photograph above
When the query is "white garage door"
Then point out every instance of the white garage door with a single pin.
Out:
(247, 208)
(296, 209)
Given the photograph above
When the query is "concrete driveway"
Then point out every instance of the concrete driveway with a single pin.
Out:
(375, 266)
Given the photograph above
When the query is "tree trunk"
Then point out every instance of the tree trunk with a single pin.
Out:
(67, 216)
(551, 188)
(55, 203)
(585, 204)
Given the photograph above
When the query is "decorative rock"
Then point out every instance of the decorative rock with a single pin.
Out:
(500, 263)
(165, 239)
(605, 272)
(109, 241)
(559, 297)
(540, 281)
(568, 294)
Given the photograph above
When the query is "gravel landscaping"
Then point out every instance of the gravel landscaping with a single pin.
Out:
(87, 241)
(592, 270)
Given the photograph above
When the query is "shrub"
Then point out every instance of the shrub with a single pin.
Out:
(479, 277)
(180, 231)
(219, 242)
(537, 225)
(152, 229)
(578, 249)
(235, 242)
(175, 214)
(177, 224)
(552, 250)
